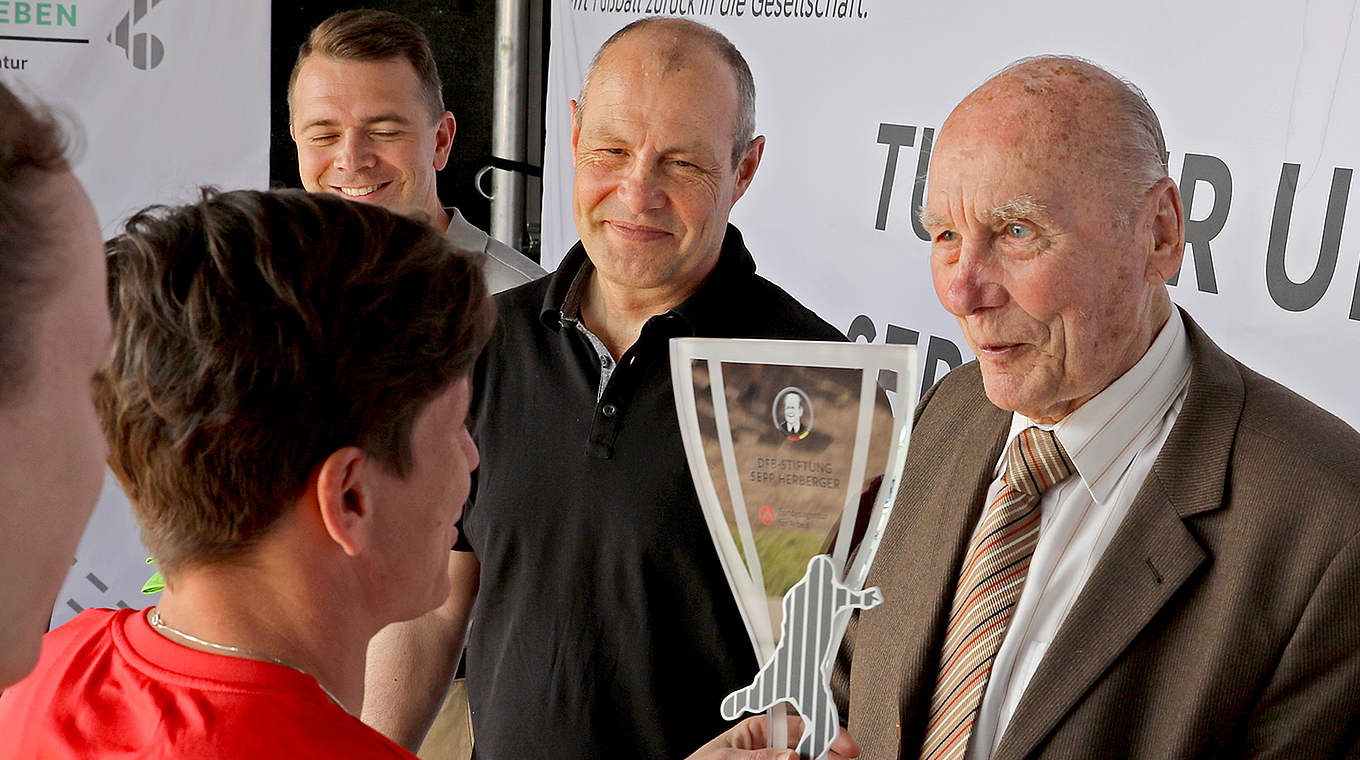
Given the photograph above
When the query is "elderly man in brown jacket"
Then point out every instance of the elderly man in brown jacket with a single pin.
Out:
(1112, 539)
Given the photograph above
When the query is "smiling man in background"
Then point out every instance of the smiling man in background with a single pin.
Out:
(367, 115)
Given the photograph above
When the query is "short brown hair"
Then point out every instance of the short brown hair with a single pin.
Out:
(32, 147)
(369, 35)
(256, 333)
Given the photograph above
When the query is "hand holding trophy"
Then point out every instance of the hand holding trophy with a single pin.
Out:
(790, 442)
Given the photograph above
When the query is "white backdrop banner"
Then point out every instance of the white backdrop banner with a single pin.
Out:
(1260, 102)
(167, 95)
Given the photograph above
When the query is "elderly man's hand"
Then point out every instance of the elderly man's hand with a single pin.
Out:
(747, 740)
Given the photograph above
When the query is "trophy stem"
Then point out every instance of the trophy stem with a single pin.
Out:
(779, 726)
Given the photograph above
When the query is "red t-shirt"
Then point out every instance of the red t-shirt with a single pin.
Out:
(108, 685)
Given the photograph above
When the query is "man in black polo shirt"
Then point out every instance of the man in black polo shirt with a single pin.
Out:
(603, 624)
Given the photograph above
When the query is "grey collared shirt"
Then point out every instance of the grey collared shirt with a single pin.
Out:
(505, 267)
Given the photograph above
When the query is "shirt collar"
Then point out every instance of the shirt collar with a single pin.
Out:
(462, 233)
(1103, 435)
(562, 301)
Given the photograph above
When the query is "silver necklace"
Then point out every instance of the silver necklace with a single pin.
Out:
(154, 618)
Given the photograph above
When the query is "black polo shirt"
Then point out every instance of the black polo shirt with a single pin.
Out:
(604, 625)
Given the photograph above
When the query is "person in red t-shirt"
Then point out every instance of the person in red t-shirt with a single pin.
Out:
(285, 406)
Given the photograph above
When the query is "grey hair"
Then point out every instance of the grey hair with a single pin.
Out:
(691, 31)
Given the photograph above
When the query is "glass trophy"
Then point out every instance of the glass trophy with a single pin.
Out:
(795, 448)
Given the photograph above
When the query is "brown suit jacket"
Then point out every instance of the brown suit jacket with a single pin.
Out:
(1222, 621)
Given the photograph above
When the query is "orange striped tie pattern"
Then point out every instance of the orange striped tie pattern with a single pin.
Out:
(989, 586)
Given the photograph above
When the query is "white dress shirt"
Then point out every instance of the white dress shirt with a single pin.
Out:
(1113, 440)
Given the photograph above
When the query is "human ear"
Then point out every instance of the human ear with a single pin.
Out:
(444, 131)
(1167, 231)
(746, 167)
(343, 499)
(575, 127)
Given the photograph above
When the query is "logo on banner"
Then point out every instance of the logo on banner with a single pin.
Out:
(143, 49)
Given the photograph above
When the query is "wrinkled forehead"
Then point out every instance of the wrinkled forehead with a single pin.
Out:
(1031, 121)
(647, 70)
(1015, 138)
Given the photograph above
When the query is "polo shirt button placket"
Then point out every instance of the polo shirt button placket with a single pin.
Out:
(601, 445)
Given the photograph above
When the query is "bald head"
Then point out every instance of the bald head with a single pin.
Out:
(672, 44)
(1072, 110)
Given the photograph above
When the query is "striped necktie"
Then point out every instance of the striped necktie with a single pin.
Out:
(989, 586)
